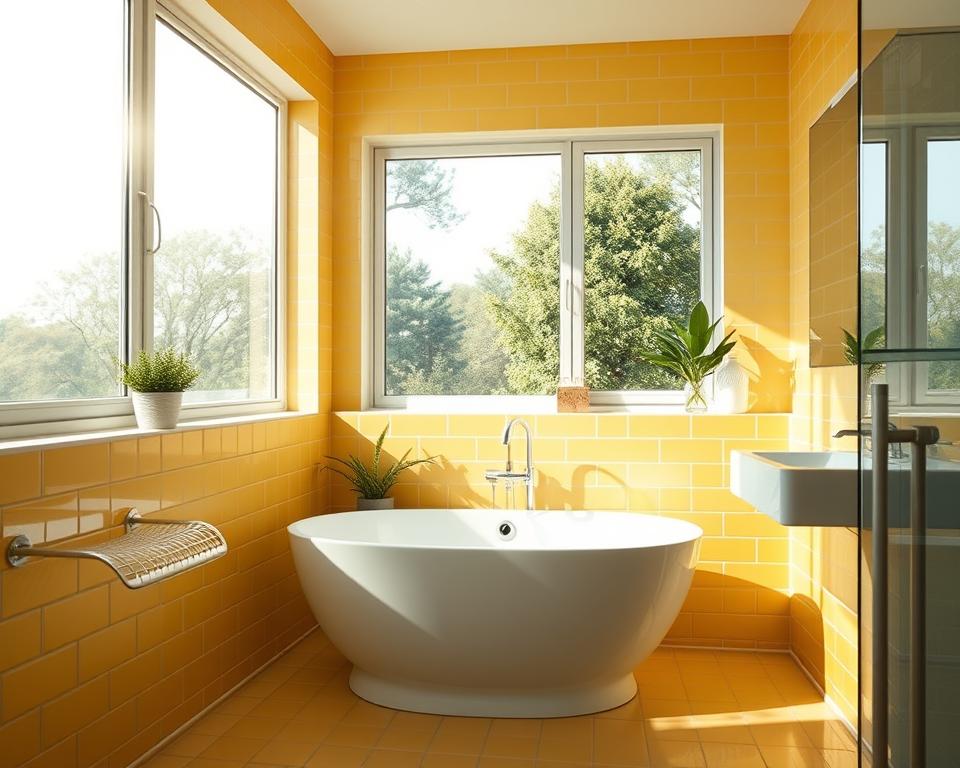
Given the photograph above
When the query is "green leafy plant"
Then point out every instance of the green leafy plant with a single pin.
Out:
(684, 352)
(367, 481)
(160, 371)
(851, 350)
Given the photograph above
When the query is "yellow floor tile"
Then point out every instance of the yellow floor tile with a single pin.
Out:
(500, 745)
(233, 748)
(385, 758)
(329, 756)
(620, 742)
(780, 735)
(208, 762)
(408, 739)
(437, 760)
(696, 708)
(840, 758)
(460, 736)
(353, 736)
(307, 732)
(365, 713)
(214, 724)
(792, 757)
(189, 744)
(731, 755)
(826, 734)
(255, 728)
(280, 751)
(504, 762)
(675, 754)
(166, 761)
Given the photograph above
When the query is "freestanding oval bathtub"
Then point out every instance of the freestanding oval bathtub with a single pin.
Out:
(451, 611)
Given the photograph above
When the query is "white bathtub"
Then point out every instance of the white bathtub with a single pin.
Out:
(439, 612)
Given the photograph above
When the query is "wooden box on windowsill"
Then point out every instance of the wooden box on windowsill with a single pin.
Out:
(573, 399)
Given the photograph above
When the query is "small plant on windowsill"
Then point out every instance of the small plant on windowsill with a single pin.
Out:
(684, 352)
(371, 486)
(157, 381)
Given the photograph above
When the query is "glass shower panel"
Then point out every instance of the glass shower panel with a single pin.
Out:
(910, 463)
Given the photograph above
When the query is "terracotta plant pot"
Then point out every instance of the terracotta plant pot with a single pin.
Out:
(157, 410)
(363, 503)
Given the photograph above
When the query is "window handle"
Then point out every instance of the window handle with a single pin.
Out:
(156, 214)
(568, 295)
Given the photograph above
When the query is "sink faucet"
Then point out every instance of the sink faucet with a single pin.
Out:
(895, 449)
(495, 475)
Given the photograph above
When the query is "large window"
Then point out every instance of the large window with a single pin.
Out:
(509, 269)
(140, 185)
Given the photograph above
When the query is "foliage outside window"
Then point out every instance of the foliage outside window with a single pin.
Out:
(477, 253)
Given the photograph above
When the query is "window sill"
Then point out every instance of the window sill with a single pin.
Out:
(18, 445)
(529, 404)
(536, 410)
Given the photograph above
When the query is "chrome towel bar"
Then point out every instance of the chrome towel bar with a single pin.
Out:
(149, 551)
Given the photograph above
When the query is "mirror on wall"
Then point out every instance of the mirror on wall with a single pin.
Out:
(910, 207)
(834, 148)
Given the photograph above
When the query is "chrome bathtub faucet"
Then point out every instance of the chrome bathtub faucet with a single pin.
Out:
(508, 474)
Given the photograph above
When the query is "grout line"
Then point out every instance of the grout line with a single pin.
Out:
(842, 718)
(171, 737)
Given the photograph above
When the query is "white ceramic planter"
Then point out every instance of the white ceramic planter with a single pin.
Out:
(363, 503)
(157, 410)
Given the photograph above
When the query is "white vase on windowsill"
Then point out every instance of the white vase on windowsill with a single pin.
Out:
(157, 410)
(731, 387)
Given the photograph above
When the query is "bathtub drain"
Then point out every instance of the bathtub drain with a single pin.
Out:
(507, 530)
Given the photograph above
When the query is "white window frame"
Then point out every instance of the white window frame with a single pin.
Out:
(906, 293)
(38, 418)
(571, 149)
(896, 315)
(922, 136)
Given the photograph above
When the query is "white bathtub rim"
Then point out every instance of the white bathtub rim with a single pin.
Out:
(473, 702)
(692, 533)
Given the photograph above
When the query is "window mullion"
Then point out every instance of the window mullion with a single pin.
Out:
(572, 294)
(140, 227)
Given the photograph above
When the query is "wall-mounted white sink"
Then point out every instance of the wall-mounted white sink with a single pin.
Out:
(820, 487)
(798, 488)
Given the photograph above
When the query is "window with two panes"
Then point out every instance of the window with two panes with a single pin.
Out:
(508, 269)
(140, 210)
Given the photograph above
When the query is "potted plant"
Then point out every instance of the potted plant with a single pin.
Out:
(371, 486)
(851, 350)
(156, 382)
(684, 351)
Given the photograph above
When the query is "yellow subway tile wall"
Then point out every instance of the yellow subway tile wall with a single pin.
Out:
(823, 571)
(674, 465)
(95, 674)
(740, 83)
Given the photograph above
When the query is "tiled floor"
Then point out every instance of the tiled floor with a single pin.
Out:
(695, 708)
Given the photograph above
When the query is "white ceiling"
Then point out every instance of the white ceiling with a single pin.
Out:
(391, 26)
